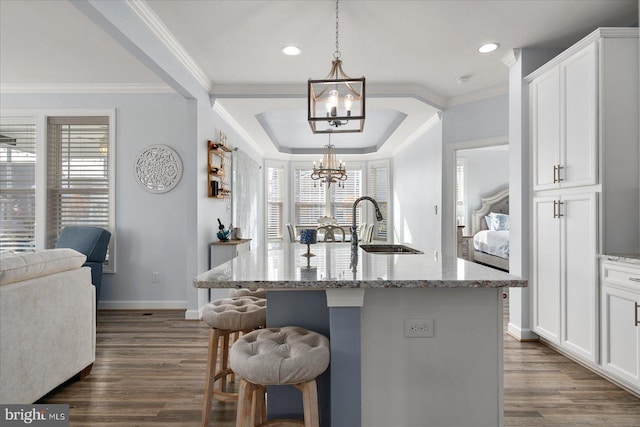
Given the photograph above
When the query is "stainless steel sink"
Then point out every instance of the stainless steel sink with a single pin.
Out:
(389, 249)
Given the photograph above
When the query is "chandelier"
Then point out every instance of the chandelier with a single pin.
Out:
(330, 169)
(336, 103)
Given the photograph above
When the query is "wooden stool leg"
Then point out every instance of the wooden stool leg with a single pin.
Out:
(214, 336)
(225, 359)
(310, 403)
(258, 406)
(245, 404)
(236, 335)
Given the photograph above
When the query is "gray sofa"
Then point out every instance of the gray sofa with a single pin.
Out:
(47, 322)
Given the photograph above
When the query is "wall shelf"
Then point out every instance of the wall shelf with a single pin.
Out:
(218, 162)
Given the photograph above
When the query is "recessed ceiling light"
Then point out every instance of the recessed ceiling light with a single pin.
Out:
(489, 47)
(291, 50)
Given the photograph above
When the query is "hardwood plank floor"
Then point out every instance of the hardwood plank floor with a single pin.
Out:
(150, 367)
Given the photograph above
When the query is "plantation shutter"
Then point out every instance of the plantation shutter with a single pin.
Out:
(342, 198)
(275, 202)
(77, 173)
(17, 184)
(309, 199)
(379, 184)
(460, 208)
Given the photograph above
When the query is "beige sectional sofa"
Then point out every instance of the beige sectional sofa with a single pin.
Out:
(47, 322)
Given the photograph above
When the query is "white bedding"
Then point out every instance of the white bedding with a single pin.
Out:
(492, 242)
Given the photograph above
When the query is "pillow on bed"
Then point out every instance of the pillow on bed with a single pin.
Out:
(498, 221)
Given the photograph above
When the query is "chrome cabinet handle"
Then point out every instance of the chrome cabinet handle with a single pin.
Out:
(555, 174)
(559, 178)
(634, 279)
(556, 209)
(636, 314)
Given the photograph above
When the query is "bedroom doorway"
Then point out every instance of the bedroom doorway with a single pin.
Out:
(481, 172)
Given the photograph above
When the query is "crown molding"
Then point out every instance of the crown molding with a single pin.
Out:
(480, 95)
(511, 57)
(102, 88)
(153, 22)
(419, 132)
(235, 126)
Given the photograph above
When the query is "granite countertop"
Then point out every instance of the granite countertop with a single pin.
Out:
(633, 258)
(282, 266)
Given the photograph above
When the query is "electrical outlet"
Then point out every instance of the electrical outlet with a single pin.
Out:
(155, 277)
(418, 328)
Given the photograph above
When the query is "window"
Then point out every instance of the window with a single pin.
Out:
(313, 199)
(309, 199)
(275, 202)
(17, 184)
(379, 188)
(78, 174)
(460, 195)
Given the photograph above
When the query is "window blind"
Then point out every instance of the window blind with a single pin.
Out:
(275, 202)
(460, 208)
(17, 184)
(77, 173)
(379, 185)
(309, 199)
(342, 199)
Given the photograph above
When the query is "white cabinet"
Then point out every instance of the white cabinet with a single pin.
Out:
(564, 123)
(222, 252)
(565, 273)
(620, 314)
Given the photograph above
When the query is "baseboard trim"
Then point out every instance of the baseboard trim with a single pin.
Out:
(142, 305)
(521, 334)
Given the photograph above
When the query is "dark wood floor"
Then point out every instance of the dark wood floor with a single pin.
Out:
(149, 370)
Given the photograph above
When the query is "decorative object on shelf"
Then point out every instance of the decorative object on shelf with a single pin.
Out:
(308, 237)
(219, 186)
(158, 168)
(330, 169)
(223, 234)
(342, 96)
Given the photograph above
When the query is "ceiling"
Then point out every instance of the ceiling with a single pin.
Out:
(411, 53)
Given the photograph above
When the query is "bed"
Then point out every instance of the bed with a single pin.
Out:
(491, 246)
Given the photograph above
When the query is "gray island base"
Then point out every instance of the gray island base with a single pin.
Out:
(379, 377)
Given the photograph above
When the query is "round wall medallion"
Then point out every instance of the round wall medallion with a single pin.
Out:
(158, 168)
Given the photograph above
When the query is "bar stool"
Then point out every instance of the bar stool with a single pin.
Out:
(244, 292)
(227, 316)
(277, 356)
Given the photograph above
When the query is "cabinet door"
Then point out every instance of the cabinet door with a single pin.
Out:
(579, 119)
(546, 269)
(620, 334)
(579, 272)
(545, 128)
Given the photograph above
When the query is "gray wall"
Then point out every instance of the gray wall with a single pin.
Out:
(167, 233)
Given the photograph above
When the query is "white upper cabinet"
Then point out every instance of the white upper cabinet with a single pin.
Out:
(564, 123)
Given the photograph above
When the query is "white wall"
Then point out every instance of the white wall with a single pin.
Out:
(417, 190)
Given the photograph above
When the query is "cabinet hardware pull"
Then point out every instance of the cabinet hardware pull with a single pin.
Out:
(555, 174)
(555, 207)
(634, 279)
(637, 321)
(559, 168)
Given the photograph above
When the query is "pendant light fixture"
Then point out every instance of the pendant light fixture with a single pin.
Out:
(336, 104)
(330, 169)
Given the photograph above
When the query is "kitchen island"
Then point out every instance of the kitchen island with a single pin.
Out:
(366, 305)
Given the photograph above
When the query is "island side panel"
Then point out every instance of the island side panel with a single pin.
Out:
(345, 367)
(452, 379)
(307, 309)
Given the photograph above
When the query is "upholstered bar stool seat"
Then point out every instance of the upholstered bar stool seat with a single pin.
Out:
(243, 292)
(227, 316)
(277, 356)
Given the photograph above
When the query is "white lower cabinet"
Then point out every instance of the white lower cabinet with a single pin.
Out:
(620, 315)
(564, 272)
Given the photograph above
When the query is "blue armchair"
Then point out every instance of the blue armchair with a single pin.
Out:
(90, 241)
